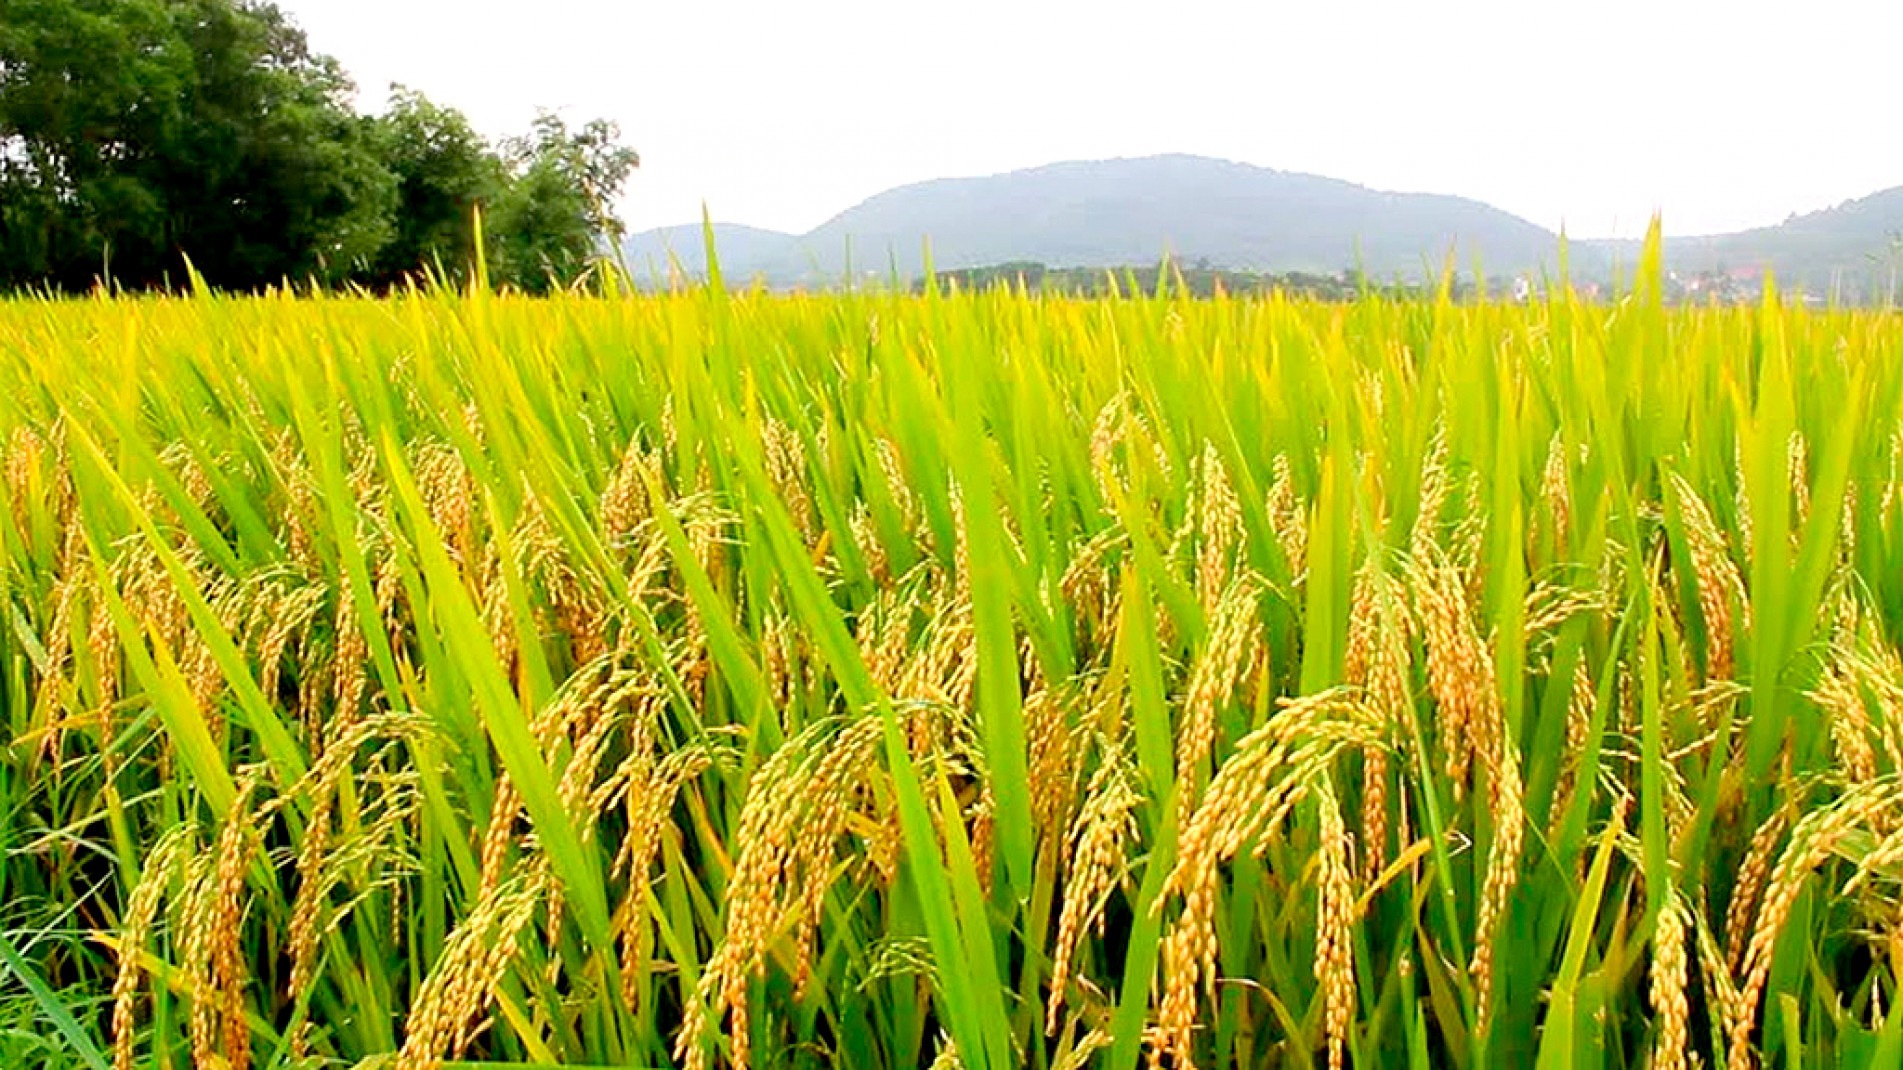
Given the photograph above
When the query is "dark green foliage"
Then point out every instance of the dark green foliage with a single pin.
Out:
(444, 171)
(554, 213)
(135, 130)
(137, 133)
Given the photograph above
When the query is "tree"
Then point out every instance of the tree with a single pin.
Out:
(83, 92)
(556, 216)
(295, 189)
(133, 131)
(136, 133)
(444, 171)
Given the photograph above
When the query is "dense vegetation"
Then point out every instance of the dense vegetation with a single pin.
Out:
(963, 679)
(137, 133)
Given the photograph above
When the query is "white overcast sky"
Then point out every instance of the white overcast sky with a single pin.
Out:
(1720, 113)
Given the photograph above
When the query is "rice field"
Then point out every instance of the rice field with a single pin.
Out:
(719, 679)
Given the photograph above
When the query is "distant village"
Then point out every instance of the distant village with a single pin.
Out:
(1730, 286)
(1735, 286)
(1743, 285)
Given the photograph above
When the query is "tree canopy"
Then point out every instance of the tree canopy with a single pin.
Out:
(137, 133)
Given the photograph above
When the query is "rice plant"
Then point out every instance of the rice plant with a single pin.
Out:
(717, 679)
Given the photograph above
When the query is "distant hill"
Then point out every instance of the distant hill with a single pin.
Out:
(1851, 250)
(1236, 217)
(1112, 213)
(743, 251)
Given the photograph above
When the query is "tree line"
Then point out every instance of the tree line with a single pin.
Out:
(135, 134)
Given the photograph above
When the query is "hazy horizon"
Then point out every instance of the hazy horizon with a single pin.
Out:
(1739, 115)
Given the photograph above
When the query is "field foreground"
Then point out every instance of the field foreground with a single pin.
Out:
(993, 681)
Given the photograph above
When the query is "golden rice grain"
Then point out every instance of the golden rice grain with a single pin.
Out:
(1670, 965)
(1271, 770)
(1378, 663)
(1106, 827)
(1556, 491)
(795, 809)
(1753, 872)
(1219, 530)
(1812, 841)
(442, 1018)
(1288, 516)
(1720, 584)
(135, 934)
(1231, 646)
(1334, 927)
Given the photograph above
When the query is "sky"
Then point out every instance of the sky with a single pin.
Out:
(1719, 115)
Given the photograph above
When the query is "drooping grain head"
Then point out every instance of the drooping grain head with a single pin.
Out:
(1813, 840)
(1797, 461)
(1741, 501)
(1670, 1008)
(161, 868)
(24, 456)
(183, 464)
(216, 939)
(1272, 769)
(786, 468)
(301, 508)
(1057, 742)
(312, 890)
(1460, 673)
(1219, 530)
(625, 502)
(448, 493)
(1232, 645)
(1378, 663)
(1432, 497)
(1721, 592)
(789, 827)
(465, 977)
(1556, 494)
(1288, 515)
(870, 543)
(1105, 430)
(1581, 700)
(350, 666)
(892, 470)
(1506, 802)
(499, 835)
(1840, 697)
(1334, 927)
(650, 797)
(1106, 827)
(1090, 585)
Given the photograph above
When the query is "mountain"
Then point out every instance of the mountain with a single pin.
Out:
(655, 254)
(1854, 250)
(1133, 211)
(1111, 213)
